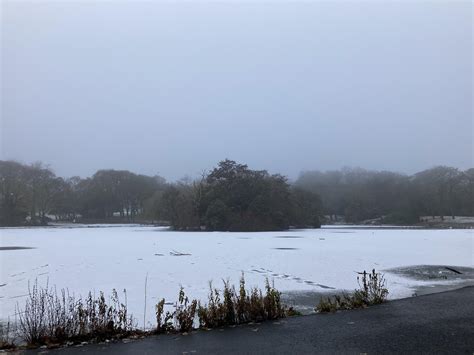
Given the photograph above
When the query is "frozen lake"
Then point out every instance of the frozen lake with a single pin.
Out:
(83, 258)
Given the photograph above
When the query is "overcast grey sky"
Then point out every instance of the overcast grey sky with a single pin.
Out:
(172, 88)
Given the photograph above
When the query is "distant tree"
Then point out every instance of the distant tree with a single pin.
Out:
(233, 197)
(13, 194)
(121, 192)
(306, 209)
(437, 187)
(357, 194)
(66, 202)
(46, 188)
(177, 207)
(218, 215)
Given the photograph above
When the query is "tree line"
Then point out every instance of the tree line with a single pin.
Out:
(357, 195)
(33, 195)
(233, 197)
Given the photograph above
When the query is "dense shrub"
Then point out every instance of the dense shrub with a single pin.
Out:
(185, 312)
(49, 317)
(233, 197)
(52, 318)
(226, 307)
(371, 291)
(163, 319)
(6, 341)
(240, 307)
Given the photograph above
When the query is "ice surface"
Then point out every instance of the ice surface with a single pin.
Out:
(120, 257)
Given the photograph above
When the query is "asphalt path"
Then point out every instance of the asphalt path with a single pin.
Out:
(435, 323)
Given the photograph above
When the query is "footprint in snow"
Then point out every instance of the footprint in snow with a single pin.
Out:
(177, 253)
(20, 273)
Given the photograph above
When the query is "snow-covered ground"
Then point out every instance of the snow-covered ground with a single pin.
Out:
(448, 219)
(323, 260)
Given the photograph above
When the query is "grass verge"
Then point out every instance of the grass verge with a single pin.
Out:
(53, 319)
(372, 290)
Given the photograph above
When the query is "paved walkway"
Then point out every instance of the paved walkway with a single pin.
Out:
(437, 323)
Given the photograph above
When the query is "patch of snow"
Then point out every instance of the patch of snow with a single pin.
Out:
(100, 259)
(448, 219)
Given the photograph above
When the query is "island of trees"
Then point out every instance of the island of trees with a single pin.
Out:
(232, 197)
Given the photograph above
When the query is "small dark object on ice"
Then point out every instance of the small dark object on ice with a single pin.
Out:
(177, 253)
(453, 270)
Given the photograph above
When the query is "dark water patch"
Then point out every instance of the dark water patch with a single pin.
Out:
(177, 253)
(435, 288)
(15, 248)
(319, 285)
(286, 248)
(434, 272)
(305, 301)
(326, 287)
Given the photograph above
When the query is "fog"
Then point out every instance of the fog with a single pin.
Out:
(172, 88)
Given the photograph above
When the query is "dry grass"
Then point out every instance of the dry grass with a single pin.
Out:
(371, 291)
(54, 318)
(240, 307)
(6, 340)
(226, 307)
(50, 317)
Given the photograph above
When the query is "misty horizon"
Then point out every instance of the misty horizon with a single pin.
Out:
(170, 167)
(170, 89)
(198, 174)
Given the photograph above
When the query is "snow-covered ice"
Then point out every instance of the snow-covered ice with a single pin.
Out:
(107, 257)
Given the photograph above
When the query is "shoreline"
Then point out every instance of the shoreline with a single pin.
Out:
(424, 322)
(454, 226)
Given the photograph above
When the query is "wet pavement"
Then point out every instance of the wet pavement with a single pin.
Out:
(441, 323)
